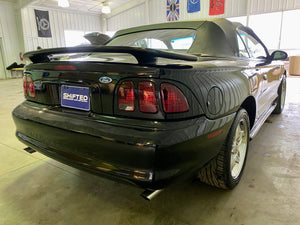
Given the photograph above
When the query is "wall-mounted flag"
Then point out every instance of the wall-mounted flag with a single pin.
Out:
(193, 6)
(172, 10)
(216, 7)
(42, 23)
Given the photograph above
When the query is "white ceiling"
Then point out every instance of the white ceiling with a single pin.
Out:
(92, 6)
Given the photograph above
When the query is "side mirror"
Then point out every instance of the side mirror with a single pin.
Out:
(278, 55)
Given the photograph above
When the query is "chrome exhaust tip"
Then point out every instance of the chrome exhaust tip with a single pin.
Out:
(149, 194)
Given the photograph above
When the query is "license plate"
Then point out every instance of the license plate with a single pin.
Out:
(75, 97)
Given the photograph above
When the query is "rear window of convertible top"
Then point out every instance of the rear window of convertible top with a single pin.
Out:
(163, 39)
(178, 40)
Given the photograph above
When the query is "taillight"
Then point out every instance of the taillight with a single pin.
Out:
(25, 85)
(28, 86)
(126, 97)
(173, 100)
(147, 97)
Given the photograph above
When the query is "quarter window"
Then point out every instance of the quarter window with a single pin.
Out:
(243, 52)
(255, 49)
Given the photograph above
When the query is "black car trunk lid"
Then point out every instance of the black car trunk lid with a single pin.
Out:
(86, 86)
(88, 78)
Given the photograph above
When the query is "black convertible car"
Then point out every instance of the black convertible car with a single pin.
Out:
(155, 103)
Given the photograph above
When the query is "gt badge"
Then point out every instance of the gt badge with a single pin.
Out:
(105, 80)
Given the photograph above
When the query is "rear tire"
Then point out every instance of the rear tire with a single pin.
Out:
(225, 170)
(281, 97)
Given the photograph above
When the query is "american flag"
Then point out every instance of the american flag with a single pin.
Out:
(172, 10)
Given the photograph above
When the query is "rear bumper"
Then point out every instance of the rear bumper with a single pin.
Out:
(149, 154)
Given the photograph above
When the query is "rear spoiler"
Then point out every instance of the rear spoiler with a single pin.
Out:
(144, 56)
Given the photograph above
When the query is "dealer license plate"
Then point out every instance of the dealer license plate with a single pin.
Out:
(75, 97)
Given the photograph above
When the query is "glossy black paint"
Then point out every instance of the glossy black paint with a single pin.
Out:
(149, 150)
(167, 149)
(143, 56)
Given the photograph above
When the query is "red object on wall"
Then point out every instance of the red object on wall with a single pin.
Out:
(216, 7)
(21, 56)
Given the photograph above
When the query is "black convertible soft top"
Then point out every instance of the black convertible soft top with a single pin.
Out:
(216, 37)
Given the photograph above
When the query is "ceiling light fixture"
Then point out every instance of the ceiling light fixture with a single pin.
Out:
(105, 8)
(63, 3)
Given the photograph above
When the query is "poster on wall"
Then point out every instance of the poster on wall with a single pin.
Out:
(172, 10)
(193, 6)
(43, 23)
(216, 7)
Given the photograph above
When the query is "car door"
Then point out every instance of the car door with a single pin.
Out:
(265, 74)
(272, 73)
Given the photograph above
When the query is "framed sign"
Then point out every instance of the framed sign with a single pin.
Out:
(43, 23)
(216, 7)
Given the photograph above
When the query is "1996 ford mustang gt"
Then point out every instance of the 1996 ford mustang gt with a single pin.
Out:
(155, 103)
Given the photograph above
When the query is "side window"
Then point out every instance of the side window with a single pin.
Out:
(243, 52)
(255, 49)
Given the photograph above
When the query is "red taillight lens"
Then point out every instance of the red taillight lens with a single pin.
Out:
(173, 99)
(126, 96)
(147, 97)
(25, 85)
(30, 87)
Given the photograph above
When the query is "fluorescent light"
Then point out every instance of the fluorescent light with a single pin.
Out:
(105, 9)
(63, 3)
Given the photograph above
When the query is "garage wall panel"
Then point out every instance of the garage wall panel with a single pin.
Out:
(135, 16)
(296, 4)
(266, 6)
(157, 13)
(8, 36)
(233, 8)
(156, 9)
(59, 21)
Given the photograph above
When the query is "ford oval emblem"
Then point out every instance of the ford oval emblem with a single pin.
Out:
(105, 80)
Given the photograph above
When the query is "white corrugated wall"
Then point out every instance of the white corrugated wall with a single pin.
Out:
(9, 45)
(265, 6)
(156, 9)
(135, 16)
(158, 12)
(60, 21)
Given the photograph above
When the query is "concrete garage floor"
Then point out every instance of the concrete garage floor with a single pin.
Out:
(37, 190)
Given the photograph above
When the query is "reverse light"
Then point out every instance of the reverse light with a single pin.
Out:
(147, 97)
(173, 100)
(126, 97)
